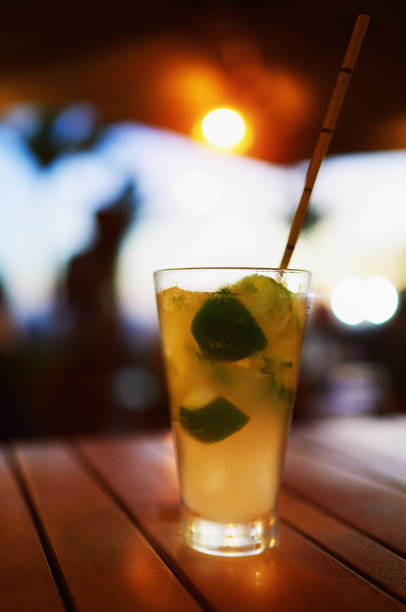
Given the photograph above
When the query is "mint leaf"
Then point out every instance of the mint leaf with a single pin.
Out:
(224, 291)
(270, 365)
(286, 394)
(272, 370)
(214, 422)
(225, 330)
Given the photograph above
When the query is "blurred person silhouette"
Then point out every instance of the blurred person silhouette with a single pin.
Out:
(80, 378)
(90, 285)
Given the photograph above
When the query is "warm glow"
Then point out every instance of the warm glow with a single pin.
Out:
(354, 301)
(223, 128)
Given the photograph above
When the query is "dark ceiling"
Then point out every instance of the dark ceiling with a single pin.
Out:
(111, 53)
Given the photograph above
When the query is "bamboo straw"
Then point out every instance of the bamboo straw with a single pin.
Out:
(326, 131)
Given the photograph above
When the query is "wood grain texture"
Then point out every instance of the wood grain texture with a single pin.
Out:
(26, 582)
(354, 548)
(105, 561)
(378, 445)
(351, 495)
(296, 576)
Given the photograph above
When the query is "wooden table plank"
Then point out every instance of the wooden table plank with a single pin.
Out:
(296, 576)
(26, 583)
(107, 564)
(377, 444)
(357, 498)
(354, 548)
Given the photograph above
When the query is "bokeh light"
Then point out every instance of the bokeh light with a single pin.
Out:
(381, 299)
(354, 301)
(48, 217)
(347, 301)
(223, 128)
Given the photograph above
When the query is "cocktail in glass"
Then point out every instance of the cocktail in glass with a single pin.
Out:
(232, 340)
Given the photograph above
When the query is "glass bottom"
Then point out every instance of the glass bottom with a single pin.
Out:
(230, 539)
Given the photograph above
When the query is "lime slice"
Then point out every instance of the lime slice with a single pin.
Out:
(213, 422)
(268, 301)
(226, 330)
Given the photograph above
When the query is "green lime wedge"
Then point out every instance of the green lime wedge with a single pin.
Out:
(226, 330)
(268, 301)
(214, 421)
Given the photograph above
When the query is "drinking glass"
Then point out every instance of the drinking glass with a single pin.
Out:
(231, 341)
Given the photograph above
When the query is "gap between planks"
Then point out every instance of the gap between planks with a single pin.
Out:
(346, 468)
(349, 462)
(309, 500)
(343, 561)
(179, 574)
(397, 562)
(104, 482)
(47, 547)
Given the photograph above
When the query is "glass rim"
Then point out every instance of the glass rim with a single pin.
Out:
(257, 268)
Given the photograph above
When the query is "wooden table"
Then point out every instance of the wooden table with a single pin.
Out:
(93, 525)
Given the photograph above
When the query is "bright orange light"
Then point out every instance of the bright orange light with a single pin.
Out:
(224, 128)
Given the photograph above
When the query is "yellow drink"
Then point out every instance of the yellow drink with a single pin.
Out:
(232, 358)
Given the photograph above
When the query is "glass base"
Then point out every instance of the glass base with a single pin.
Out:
(230, 539)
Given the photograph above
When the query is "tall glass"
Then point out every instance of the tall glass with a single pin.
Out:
(231, 340)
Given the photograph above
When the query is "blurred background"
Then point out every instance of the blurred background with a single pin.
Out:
(136, 136)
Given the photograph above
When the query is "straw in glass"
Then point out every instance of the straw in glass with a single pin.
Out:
(326, 131)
